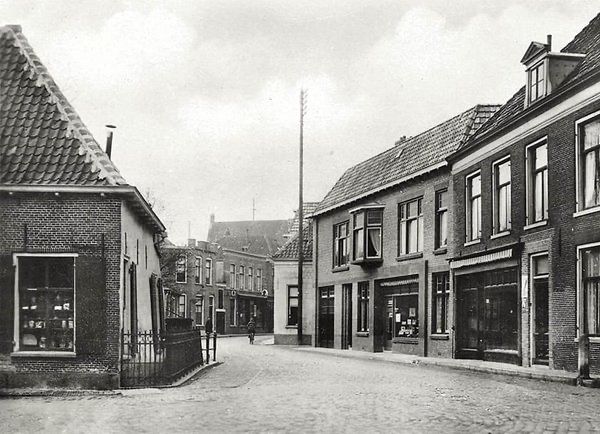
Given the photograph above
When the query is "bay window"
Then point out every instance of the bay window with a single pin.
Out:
(410, 227)
(340, 244)
(473, 206)
(367, 234)
(537, 182)
(502, 207)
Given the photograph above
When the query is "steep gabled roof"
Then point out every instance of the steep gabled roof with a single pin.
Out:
(410, 157)
(42, 139)
(307, 209)
(586, 42)
(290, 250)
(261, 237)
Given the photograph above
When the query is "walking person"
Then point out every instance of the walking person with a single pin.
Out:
(208, 326)
(251, 330)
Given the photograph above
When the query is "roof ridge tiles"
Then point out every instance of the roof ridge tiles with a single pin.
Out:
(75, 126)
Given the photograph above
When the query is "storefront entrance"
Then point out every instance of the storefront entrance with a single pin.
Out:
(402, 309)
(487, 316)
(540, 308)
(326, 316)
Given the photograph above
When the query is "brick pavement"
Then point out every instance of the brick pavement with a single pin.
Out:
(283, 389)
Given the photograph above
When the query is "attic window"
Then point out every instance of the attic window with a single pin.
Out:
(536, 78)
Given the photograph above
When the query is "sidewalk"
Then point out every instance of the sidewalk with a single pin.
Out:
(536, 373)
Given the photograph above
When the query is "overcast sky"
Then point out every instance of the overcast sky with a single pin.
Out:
(205, 94)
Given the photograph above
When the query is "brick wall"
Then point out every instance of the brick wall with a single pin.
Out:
(85, 224)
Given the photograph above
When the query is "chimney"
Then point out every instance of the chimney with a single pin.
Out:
(109, 139)
(549, 42)
(191, 242)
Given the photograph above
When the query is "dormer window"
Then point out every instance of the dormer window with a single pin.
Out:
(537, 82)
(367, 234)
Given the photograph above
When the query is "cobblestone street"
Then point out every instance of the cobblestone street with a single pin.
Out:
(269, 388)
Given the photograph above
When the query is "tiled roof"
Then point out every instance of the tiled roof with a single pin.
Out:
(289, 251)
(586, 42)
(409, 157)
(307, 209)
(262, 237)
(42, 139)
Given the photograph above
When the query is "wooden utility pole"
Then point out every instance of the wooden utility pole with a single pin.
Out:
(303, 95)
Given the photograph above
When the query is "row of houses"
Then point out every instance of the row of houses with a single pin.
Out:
(478, 238)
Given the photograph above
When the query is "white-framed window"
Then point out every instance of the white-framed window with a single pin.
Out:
(341, 256)
(182, 306)
(181, 270)
(441, 218)
(45, 293)
(589, 288)
(292, 311)
(473, 208)
(259, 283)
(410, 226)
(208, 275)
(199, 310)
(197, 270)
(250, 284)
(536, 82)
(537, 181)
(501, 184)
(242, 277)
(232, 276)
(587, 141)
(367, 230)
(211, 309)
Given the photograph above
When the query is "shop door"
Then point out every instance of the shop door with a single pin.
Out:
(326, 317)
(346, 316)
(540, 321)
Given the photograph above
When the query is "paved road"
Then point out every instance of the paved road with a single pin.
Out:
(269, 388)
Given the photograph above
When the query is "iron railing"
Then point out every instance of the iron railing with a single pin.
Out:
(153, 359)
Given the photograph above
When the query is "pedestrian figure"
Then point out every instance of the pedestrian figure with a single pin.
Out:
(208, 327)
(251, 330)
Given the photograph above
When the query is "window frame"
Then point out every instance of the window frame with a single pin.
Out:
(289, 306)
(540, 83)
(17, 304)
(364, 238)
(580, 163)
(177, 263)
(444, 294)
(199, 303)
(198, 270)
(581, 317)
(439, 212)
(259, 279)
(208, 274)
(179, 304)
(232, 280)
(212, 306)
(339, 258)
(531, 171)
(496, 186)
(404, 227)
(250, 283)
(363, 298)
(242, 277)
(469, 198)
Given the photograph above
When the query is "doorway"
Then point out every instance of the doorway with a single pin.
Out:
(540, 309)
(346, 316)
(326, 316)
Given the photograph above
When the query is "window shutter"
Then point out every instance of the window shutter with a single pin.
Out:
(90, 305)
(7, 291)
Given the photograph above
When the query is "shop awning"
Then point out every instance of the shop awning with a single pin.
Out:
(482, 259)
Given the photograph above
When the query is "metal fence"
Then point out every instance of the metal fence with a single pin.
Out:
(153, 359)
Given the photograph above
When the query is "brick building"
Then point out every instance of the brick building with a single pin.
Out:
(78, 259)
(380, 255)
(526, 241)
(193, 283)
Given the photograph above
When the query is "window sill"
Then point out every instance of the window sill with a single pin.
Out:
(593, 339)
(362, 334)
(409, 256)
(440, 251)
(338, 269)
(587, 211)
(53, 354)
(406, 340)
(291, 326)
(368, 262)
(500, 235)
(440, 337)
(472, 243)
(535, 225)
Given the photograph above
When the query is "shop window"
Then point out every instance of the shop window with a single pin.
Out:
(473, 206)
(249, 281)
(588, 148)
(367, 234)
(259, 283)
(199, 310)
(232, 276)
(197, 270)
(406, 308)
(292, 306)
(441, 219)
(241, 277)
(501, 185)
(441, 291)
(233, 311)
(363, 307)
(181, 270)
(590, 273)
(46, 309)
(537, 182)
(208, 277)
(410, 227)
(340, 244)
